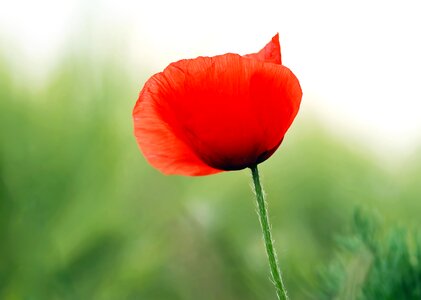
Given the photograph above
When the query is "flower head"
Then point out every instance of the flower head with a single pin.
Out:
(210, 114)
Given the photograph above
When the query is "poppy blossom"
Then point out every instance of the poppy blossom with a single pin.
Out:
(210, 114)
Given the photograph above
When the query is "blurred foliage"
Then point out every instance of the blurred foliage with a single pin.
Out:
(83, 216)
(374, 263)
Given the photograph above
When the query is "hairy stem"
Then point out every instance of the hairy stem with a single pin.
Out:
(267, 236)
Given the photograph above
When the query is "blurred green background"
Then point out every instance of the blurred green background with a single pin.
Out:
(83, 216)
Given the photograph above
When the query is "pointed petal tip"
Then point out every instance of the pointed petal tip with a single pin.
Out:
(271, 53)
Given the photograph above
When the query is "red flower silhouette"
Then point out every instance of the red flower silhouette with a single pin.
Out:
(211, 114)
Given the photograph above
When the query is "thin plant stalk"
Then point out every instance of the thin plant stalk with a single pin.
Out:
(267, 236)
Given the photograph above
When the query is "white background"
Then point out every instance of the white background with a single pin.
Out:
(358, 61)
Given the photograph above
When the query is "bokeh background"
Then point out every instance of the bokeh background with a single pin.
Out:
(83, 216)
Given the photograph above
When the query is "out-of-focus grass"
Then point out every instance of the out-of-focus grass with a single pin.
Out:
(83, 216)
(374, 262)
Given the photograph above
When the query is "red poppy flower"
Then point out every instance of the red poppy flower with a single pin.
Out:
(211, 114)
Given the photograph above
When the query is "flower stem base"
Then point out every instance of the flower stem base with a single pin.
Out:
(267, 236)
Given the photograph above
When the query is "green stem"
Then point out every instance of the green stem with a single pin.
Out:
(267, 235)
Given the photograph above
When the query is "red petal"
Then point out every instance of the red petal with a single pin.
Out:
(270, 53)
(157, 140)
(215, 113)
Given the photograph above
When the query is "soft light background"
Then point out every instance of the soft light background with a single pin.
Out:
(84, 217)
(358, 61)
